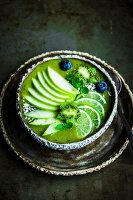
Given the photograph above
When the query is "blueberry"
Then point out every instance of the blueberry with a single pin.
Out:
(65, 65)
(101, 86)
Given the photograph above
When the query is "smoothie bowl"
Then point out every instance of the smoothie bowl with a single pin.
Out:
(66, 102)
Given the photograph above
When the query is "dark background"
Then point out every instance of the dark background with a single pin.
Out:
(103, 28)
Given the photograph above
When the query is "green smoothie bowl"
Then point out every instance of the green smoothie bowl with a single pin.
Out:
(66, 101)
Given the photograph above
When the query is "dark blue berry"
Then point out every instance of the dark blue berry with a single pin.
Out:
(101, 86)
(65, 65)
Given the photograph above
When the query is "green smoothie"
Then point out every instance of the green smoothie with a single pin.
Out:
(65, 100)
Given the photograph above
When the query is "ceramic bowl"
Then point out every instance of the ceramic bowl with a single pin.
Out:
(74, 145)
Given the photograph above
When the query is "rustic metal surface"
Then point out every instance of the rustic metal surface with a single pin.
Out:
(102, 28)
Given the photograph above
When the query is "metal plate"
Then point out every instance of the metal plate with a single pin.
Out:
(88, 159)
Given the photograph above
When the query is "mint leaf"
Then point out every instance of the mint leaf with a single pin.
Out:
(69, 125)
(60, 127)
(84, 90)
(70, 77)
(81, 82)
(77, 83)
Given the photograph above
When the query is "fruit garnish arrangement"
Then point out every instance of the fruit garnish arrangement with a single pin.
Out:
(65, 100)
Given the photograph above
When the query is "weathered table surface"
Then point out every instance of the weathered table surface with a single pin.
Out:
(102, 28)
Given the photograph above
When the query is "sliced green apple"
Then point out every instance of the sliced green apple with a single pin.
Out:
(60, 82)
(41, 114)
(51, 128)
(41, 79)
(41, 98)
(40, 89)
(39, 104)
(49, 89)
(42, 122)
(49, 82)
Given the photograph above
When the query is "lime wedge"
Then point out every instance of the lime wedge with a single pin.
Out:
(83, 125)
(95, 95)
(94, 115)
(92, 103)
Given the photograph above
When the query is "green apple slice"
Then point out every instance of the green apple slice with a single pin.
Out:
(60, 82)
(51, 128)
(41, 98)
(49, 89)
(42, 122)
(39, 104)
(41, 114)
(40, 89)
(49, 82)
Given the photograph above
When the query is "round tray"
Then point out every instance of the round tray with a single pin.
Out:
(91, 158)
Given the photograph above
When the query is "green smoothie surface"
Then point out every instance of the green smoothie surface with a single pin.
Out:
(65, 106)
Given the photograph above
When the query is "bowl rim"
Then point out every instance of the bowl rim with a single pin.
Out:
(86, 141)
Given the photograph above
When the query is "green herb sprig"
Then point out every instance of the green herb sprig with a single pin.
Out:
(78, 83)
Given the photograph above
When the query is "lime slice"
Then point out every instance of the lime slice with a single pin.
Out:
(92, 103)
(95, 95)
(83, 125)
(94, 115)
